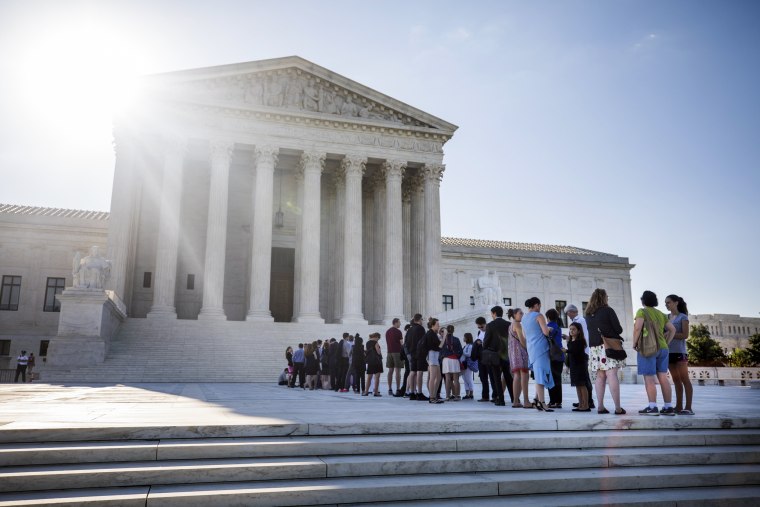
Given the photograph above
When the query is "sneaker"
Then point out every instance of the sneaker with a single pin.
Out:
(649, 411)
(668, 411)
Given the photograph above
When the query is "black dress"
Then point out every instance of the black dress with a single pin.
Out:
(576, 349)
(312, 365)
(374, 360)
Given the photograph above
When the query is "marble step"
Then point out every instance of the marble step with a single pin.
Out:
(212, 448)
(726, 496)
(694, 485)
(29, 478)
(427, 422)
(461, 486)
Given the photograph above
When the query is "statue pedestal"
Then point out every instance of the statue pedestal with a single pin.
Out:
(89, 319)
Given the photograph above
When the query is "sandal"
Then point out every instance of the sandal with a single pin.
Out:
(685, 412)
(517, 405)
(622, 412)
(542, 407)
(529, 405)
(603, 411)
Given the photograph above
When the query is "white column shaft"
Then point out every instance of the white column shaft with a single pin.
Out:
(352, 242)
(123, 209)
(168, 233)
(378, 249)
(417, 248)
(298, 179)
(216, 233)
(261, 255)
(433, 294)
(310, 238)
(406, 222)
(394, 253)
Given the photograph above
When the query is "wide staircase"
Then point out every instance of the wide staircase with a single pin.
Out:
(627, 461)
(200, 351)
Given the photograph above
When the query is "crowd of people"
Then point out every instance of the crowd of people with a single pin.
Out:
(506, 353)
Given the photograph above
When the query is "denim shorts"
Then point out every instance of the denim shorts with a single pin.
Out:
(655, 364)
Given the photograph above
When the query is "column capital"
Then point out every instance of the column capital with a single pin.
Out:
(267, 153)
(354, 164)
(221, 148)
(394, 169)
(434, 172)
(313, 160)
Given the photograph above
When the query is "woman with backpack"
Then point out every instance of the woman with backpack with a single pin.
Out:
(652, 332)
(471, 362)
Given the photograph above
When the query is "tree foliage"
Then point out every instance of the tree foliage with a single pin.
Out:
(740, 358)
(702, 348)
(754, 348)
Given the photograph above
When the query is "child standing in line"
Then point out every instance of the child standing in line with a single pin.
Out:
(576, 349)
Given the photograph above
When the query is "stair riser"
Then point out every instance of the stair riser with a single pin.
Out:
(29, 454)
(172, 472)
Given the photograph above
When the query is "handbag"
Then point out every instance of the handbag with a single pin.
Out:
(490, 357)
(555, 353)
(472, 365)
(613, 348)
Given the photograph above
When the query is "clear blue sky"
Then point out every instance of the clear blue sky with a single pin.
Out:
(627, 127)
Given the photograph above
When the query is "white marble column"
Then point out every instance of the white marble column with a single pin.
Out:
(261, 255)
(168, 231)
(433, 295)
(298, 179)
(406, 223)
(394, 253)
(378, 247)
(417, 245)
(312, 164)
(216, 232)
(123, 210)
(353, 168)
(338, 243)
(368, 251)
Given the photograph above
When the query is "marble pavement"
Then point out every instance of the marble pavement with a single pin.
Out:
(190, 409)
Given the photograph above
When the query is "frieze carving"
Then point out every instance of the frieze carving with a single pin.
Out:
(299, 91)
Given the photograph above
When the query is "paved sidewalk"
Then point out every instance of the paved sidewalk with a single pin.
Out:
(30, 406)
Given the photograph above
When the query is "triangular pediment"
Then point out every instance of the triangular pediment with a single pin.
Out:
(296, 86)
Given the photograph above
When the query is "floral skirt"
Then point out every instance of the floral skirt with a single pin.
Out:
(600, 361)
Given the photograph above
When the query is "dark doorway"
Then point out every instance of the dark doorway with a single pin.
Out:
(281, 292)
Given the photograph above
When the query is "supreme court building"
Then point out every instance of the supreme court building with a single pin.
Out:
(277, 190)
(272, 199)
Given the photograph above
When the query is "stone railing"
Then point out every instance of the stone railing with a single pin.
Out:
(706, 375)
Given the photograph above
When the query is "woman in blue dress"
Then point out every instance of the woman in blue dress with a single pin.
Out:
(536, 333)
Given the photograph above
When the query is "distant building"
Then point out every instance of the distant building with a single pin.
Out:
(731, 331)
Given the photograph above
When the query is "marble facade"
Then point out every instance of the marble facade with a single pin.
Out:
(196, 194)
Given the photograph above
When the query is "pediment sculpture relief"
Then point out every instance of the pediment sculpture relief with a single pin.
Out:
(299, 91)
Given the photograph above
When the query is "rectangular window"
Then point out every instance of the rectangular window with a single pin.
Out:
(10, 292)
(560, 307)
(54, 286)
(448, 302)
(506, 302)
(190, 282)
(147, 279)
(43, 347)
(5, 347)
(472, 300)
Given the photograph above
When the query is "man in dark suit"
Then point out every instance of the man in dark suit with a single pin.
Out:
(336, 382)
(495, 339)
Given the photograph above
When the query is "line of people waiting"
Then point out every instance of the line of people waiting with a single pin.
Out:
(506, 353)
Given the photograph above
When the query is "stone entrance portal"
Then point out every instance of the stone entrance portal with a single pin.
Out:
(283, 268)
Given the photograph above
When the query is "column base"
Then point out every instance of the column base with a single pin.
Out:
(353, 320)
(212, 314)
(162, 312)
(259, 316)
(309, 319)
